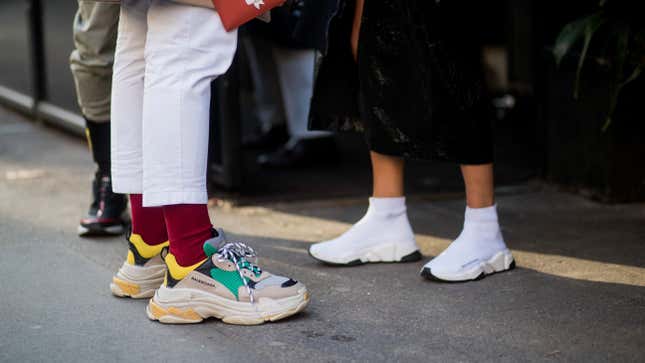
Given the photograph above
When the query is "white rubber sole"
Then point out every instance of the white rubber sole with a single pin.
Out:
(137, 282)
(187, 306)
(387, 252)
(500, 262)
(111, 230)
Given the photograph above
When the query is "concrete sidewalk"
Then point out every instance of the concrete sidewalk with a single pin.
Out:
(578, 293)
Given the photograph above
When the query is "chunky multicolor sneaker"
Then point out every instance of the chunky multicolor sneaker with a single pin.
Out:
(227, 285)
(143, 271)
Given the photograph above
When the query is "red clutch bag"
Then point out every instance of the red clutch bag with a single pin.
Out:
(237, 12)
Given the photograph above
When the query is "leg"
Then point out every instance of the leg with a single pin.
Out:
(143, 271)
(479, 249)
(356, 27)
(95, 31)
(296, 79)
(479, 185)
(127, 98)
(187, 48)
(127, 115)
(387, 175)
(95, 28)
(384, 233)
(263, 72)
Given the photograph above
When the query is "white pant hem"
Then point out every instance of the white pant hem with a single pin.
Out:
(124, 185)
(161, 198)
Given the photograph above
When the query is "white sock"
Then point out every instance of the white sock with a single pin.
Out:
(480, 239)
(483, 225)
(384, 206)
(385, 222)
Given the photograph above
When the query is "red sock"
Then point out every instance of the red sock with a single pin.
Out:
(188, 228)
(148, 222)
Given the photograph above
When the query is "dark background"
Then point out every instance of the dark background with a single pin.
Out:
(519, 32)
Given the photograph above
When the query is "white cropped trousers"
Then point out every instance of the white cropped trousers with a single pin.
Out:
(167, 54)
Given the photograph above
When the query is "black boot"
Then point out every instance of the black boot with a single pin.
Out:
(107, 214)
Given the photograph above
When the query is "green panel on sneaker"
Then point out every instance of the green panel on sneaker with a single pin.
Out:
(230, 279)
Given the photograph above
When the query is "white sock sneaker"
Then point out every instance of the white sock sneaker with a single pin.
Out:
(478, 251)
(383, 234)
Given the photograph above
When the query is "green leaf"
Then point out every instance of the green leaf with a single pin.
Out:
(622, 52)
(569, 35)
(591, 25)
(573, 32)
(632, 77)
(583, 28)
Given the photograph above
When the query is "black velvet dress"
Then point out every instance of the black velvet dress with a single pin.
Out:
(416, 89)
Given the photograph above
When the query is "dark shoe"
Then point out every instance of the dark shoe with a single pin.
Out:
(303, 153)
(270, 140)
(108, 212)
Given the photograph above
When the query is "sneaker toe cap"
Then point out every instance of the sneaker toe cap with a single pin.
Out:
(438, 266)
(280, 291)
(319, 252)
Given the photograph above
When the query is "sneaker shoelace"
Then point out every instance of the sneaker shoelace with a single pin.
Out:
(241, 255)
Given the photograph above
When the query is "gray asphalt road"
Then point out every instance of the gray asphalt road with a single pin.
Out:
(577, 295)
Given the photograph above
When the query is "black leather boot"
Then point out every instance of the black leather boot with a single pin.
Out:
(108, 213)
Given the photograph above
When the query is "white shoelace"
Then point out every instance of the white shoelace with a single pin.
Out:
(242, 256)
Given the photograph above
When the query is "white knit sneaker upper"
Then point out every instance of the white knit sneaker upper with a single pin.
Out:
(478, 250)
(383, 234)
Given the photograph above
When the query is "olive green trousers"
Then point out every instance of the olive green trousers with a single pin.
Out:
(95, 32)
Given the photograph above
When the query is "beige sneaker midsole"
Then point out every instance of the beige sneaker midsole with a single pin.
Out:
(209, 305)
(138, 281)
